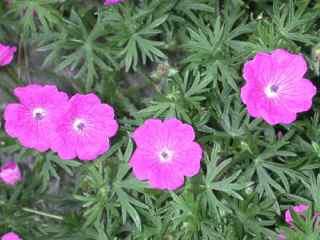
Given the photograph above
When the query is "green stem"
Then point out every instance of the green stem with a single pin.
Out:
(42, 213)
(149, 80)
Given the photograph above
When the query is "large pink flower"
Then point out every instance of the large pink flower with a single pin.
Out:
(275, 88)
(11, 236)
(6, 54)
(166, 152)
(85, 128)
(301, 209)
(112, 2)
(33, 120)
(10, 173)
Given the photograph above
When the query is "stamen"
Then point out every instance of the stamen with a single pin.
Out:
(165, 155)
(272, 90)
(79, 125)
(38, 113)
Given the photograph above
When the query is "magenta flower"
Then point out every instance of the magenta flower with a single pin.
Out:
(112, 2)
(10, 173)
(6, 54)
(275, 88)
(166, 152)
(301, 209)
(84, 130)
(33, 120)
(281, 236)
(11, 236)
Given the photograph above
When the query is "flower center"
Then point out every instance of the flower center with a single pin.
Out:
(79, 125)
(38, 113)
(272, 90)
(165, 155)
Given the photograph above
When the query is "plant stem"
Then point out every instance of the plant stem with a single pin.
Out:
(43, 213)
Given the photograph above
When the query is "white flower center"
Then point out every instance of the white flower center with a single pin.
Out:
(165, 155)
(39, 113)
(79, 124)
(272, 90)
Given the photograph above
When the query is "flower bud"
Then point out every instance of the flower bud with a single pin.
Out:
(10, 173)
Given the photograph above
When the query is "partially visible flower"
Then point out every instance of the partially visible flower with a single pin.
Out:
(166, 152)
(112, 2)
(279, 134)
(85, 128)
(301, 209)
(6, 54)
(275, 88)
(8, 2)
(33, 120)
(10, 173)
(281, 236)
(11, 236)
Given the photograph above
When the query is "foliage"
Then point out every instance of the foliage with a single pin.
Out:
(159, 59)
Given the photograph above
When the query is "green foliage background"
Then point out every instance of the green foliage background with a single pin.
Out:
(163, 58)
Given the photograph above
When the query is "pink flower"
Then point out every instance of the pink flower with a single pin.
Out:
(112, 2)
(33, 120)
(275, 88)
(84, 130)
(11, 236)
(281, 236)
(10, 173)
(301, 208)
(166, 152)
(6, 54)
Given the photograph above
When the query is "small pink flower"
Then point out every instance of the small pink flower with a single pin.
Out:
(112, 2)
(10, 173)
(301, 209)
(11, 236)
(166, 152)
(281, 236)
(275, 88)
(84, 130)
(6, 54)
(33, 120)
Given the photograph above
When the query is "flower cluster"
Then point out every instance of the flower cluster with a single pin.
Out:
(81, 127)
(46, 119)
(92, 41)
